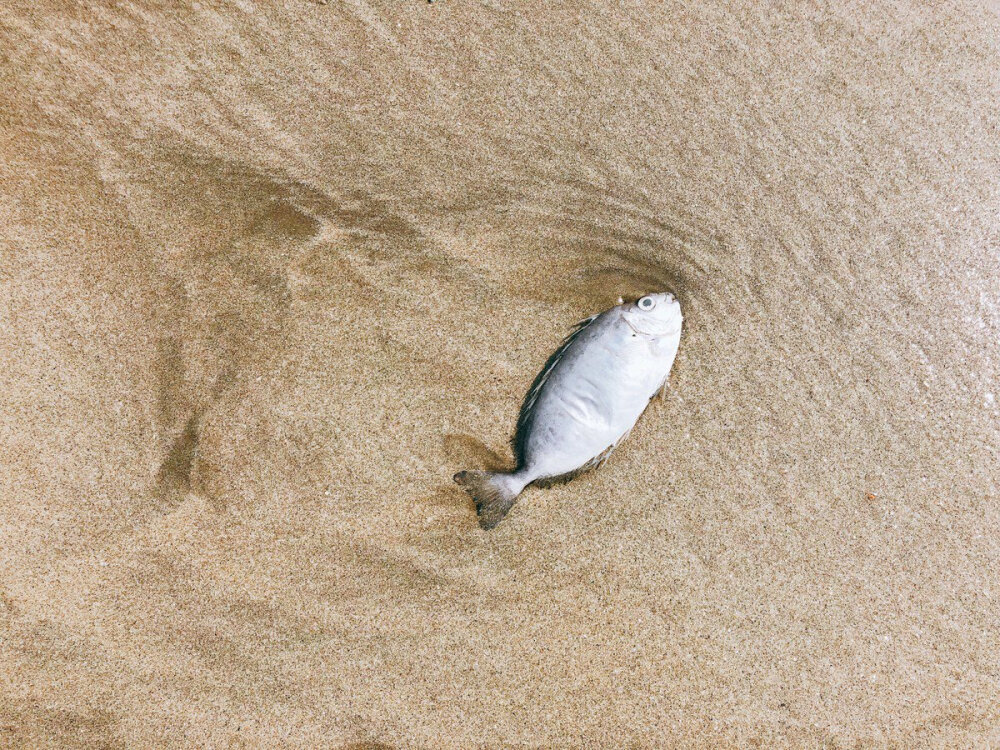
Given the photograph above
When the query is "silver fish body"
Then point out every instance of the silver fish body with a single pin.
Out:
(585, 401)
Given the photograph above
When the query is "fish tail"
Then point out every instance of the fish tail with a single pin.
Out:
(493, 491)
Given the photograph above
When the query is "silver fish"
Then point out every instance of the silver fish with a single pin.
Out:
(585, 400)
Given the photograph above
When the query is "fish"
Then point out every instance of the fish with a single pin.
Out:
(585, 401)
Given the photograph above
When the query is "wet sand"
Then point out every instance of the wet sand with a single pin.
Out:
(270, 275)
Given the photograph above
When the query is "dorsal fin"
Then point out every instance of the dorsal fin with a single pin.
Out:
(528, 407)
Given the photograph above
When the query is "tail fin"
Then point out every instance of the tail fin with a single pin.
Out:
(494, 493)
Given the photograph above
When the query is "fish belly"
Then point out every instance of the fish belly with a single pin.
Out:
(579, 420)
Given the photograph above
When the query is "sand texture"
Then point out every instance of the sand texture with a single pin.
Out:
(270, 273)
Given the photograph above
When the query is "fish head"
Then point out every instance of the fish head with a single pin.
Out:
(656, 314)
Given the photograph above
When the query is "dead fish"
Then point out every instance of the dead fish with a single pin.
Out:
(585, 401)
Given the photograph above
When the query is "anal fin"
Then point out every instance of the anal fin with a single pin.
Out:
(595, 463)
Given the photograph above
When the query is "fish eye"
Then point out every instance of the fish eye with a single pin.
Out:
(646, 303)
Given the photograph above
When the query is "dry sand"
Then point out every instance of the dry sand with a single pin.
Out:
(271, 273)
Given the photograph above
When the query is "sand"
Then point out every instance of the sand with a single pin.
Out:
(271, 273)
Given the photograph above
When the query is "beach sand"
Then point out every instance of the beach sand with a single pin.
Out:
(271, 273)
